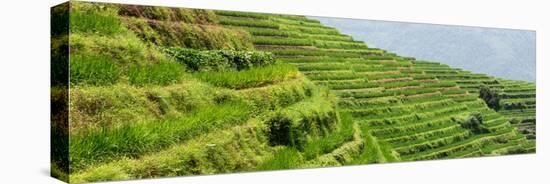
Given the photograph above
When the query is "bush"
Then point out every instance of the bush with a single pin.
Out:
(93, 70)
(156, 74)
(491, 97)
(219, 60)
(474, 123)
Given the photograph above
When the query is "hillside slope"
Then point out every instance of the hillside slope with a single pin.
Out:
(400, 101)
(158, 92)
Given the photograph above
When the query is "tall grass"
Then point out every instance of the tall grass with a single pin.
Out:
(93, 70)
(332, 141)
(242, 14)
(162, 73)
(96, 22)
(249, 78)
(135, 139)
(237, 149)
(249, 23)
(286, 158)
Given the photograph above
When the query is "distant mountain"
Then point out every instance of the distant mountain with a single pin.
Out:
(504, 53)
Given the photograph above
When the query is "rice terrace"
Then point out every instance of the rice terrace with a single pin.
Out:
(146, 92)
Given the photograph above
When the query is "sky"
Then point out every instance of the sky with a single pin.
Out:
(504, 53)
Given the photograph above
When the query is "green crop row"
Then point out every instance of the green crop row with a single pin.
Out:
(249, 23)
(420, 146)
(279, 41)
(253, 77)
(242, 14)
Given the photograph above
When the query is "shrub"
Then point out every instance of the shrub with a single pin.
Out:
(491, 97)
(474, 123)
(93, 70)
(219, 60)
(156, 74)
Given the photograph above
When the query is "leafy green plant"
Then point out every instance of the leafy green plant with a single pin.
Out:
(219, 60)
(93, 70)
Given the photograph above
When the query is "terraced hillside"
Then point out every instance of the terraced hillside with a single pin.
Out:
(399, 101)
(518, 102)
(157, 92)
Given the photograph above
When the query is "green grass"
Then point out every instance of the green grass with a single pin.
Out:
(286, 158)
(278, 41)
(95, 22)
(254, 77)
(249, 23)
(343, 133)
(236, 149)
(135, 139)
(242, 14)
(163, 73)
(93, 70)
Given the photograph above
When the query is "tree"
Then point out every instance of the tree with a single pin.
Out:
(491, 97)
(474, 123)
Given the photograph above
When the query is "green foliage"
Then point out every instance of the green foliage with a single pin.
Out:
(491, 97)
(186, 15)
(122, 49)
(287, 158)
(242, 14)
(278, 41)
(253, 77)
(197, 36)
(293, 125)
(137, 138)
(323, 145)
(474, 123)
(155, 74)
(93, 70)
(219, 60)
(235, 149)
(104, 22)
(249, 23)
